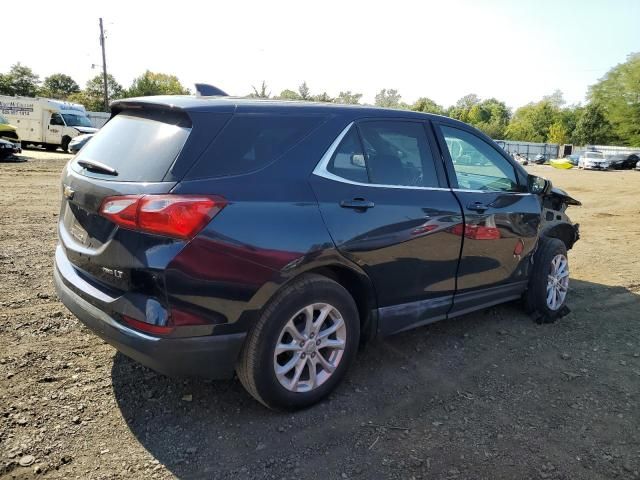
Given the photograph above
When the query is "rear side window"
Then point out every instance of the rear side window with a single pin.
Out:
(349, 161)
(250, 142)
(385, 153)
(139, 148)
(398, 153)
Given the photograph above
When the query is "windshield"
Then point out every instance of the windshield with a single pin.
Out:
(3, 120)
(596, 155)
(73, 120)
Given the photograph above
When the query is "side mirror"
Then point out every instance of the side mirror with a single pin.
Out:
(357, 159)
(538, 185)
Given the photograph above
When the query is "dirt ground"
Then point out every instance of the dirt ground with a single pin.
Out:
(489, 395)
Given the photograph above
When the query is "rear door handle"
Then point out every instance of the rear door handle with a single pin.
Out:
(357, 204)
(477, 207)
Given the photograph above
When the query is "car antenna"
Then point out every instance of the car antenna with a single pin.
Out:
(206, 90)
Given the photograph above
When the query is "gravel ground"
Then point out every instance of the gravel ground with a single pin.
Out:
(489, 395)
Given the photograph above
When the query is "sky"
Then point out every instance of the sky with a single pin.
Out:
(516, 51)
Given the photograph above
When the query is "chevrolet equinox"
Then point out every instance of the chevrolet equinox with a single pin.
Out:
(211, 235)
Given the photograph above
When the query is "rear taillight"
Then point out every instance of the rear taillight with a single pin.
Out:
(179, 216)
(177, 318)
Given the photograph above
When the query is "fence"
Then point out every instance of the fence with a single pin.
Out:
(98, 119)
(529, 149)
(608, 150)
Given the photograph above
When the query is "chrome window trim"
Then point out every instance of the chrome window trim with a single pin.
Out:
(321, 171)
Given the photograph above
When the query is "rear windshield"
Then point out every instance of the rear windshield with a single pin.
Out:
(139, 148)
(252, 141)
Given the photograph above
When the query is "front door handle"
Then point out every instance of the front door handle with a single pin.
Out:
(357, 204)
(477, 207)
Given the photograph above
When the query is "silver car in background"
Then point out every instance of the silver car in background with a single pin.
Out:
(593, 161)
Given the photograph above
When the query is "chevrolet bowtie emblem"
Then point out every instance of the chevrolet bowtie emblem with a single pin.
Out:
(68, 192)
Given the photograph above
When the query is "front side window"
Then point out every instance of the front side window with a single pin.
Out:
(56, 119)
(478, 165)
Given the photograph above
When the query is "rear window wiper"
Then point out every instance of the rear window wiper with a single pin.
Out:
(98, 167)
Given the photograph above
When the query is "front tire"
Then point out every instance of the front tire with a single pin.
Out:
(549, 281)
(302, 345)
(65, 144)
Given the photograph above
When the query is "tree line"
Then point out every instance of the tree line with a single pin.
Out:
(611, 114)
(21, 80)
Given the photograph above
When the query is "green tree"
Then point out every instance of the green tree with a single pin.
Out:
(348, 98)
(59, 86)
(388, 98)
(304, 92)
(556, 98)
(153, 83)
(426, 105)
(263, 92)
(532, 122)
(491, 116)
(619, 92)
(20, 81)
(288, 95)
(92, 97)
(322, 97)
(460, 111)
(558, 133)
(568, 118)
(593, 127)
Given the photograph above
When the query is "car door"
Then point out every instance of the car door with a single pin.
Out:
(501, 219)
(388, 208)
(54, 129)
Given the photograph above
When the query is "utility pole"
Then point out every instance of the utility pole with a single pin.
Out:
(104, 69)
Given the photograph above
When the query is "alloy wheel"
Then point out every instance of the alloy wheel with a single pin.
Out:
(310, 347)
(557, 282)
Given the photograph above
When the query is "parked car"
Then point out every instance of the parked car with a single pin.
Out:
(8, 131)
(78, 142)
(593, 161)
(574, 159)
(539, 159)
(203, 236)
(521, 159)
(638, 166)
(624, 161)
(8, 149)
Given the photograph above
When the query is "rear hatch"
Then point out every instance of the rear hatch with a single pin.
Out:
(144, 149)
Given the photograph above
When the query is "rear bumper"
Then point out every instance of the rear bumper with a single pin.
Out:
(208, 356)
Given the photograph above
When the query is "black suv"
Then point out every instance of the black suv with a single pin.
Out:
(207, 235)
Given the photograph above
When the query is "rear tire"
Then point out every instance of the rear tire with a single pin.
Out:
(549, 281)
(263, 370)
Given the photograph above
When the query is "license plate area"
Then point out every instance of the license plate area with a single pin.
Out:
(86, 228)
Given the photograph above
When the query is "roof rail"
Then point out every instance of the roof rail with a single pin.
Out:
(206, 90)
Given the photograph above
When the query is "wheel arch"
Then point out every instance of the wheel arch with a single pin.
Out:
(360, 287)
(565, 232)
(352, 278)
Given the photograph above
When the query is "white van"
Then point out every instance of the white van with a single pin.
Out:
(41, 121)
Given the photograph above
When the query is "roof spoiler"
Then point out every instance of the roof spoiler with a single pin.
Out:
(206, 90)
